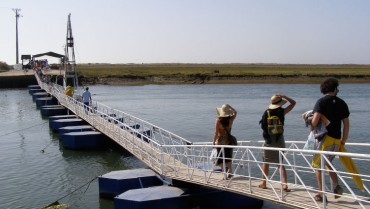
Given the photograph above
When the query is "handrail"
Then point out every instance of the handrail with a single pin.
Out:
(175, 157)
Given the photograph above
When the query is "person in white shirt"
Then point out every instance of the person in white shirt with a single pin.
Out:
(86, 98)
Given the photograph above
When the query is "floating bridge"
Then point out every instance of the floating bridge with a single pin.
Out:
(174, 157)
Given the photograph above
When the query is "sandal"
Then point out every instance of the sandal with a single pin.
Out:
(319, 198)
(286, 189)
(261, 186)
(338, 191)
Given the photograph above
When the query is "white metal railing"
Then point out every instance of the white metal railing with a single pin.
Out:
(175, 157)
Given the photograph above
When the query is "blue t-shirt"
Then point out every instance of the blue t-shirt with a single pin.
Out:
(86, 96)
(335, 109)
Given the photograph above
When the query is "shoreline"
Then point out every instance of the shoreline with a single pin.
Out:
(219, 80)
(237, 73)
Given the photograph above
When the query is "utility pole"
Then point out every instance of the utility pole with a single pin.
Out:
(17, 15)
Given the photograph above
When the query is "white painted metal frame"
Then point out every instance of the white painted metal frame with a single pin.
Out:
(177, 158)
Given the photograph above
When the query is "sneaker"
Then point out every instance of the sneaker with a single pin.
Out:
(338, 191)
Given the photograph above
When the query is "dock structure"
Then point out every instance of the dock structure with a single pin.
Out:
(174, 157)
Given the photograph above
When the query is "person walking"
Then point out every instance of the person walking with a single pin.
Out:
(272, 124)
(223, 124)
(86, 98)
(69, 91)
(336, 111)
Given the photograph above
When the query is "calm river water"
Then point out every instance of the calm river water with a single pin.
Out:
(30, 178)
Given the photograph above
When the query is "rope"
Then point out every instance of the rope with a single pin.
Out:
(6, 113)
(23, 129)
(17, 111)
(43, 150)
(78, 188)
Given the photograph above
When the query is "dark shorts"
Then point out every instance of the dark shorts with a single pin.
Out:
(272, 156)
(228, 155)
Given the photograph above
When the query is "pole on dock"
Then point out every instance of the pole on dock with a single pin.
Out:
(17, 15)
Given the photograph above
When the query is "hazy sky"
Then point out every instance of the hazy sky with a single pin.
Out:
(192, 31)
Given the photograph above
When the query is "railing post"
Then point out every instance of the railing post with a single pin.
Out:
(281, 173)
(322, 166)
(187, 159)
(249, 171)
(295, 168)
(162, 160)
(223, 162)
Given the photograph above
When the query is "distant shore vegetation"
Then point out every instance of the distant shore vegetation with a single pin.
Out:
(219, 73)
(4, 66)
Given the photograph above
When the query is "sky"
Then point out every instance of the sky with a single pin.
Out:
(191, 31)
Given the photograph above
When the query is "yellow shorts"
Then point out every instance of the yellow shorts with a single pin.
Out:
(328, 143)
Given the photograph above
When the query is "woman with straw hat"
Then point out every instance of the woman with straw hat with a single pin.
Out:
(224, 121)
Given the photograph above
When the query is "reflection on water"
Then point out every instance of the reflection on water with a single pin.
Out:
(32, 179)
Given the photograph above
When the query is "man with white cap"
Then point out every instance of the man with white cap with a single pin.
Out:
(272, 124)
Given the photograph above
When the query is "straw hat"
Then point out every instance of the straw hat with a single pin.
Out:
(224, 111)
(276, 102)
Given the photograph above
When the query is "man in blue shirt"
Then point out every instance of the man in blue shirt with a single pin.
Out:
(86, 98)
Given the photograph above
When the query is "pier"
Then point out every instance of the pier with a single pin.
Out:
(174, 157)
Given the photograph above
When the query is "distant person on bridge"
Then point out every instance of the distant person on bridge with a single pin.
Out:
(86, 98)
(336, 111)
(224, 122)
(272, 124)
(69, 91)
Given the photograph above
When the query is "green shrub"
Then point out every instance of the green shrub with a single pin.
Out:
(4, 66)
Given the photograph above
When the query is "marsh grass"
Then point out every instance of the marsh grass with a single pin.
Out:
(220, 70)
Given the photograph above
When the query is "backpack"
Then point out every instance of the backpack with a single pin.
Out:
(272, 122)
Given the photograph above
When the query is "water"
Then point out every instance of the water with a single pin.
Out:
(30, 178)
